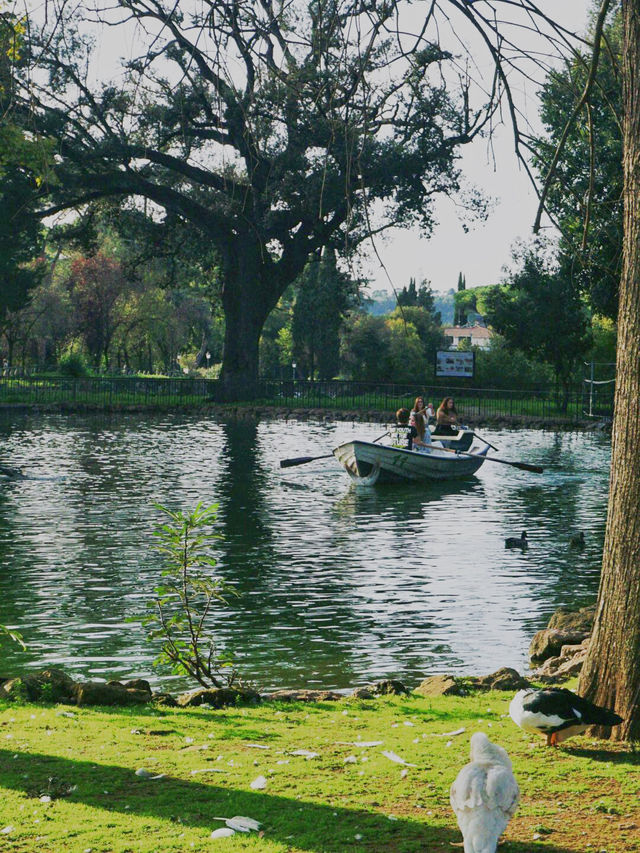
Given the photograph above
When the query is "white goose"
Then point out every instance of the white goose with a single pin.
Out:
(484, 796)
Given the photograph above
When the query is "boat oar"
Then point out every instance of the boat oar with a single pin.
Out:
(13, 473)
(524, 466)
(488, 443)
(302, 460)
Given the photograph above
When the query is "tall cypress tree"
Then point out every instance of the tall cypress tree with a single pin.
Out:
(460, 316)
(324, 295)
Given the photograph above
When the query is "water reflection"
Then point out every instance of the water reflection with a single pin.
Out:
(338, 584)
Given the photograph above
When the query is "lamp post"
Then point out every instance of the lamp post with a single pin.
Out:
(208, 357)
(293, 369)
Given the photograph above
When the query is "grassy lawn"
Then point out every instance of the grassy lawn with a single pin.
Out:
(581, 797)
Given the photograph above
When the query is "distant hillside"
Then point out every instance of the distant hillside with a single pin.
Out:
(444, 304)
(383, 302)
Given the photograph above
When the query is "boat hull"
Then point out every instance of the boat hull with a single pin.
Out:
(368, 463)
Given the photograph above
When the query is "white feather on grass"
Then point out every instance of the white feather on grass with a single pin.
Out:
(240, 823)
(392, 756)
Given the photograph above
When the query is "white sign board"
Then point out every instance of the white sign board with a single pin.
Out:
(455, 363)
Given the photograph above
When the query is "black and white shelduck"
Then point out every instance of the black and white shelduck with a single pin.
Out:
(557, 713)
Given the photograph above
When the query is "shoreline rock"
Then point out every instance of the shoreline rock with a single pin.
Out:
(559, 650)
(217, 697)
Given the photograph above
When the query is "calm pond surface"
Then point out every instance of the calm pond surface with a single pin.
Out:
(338, 585)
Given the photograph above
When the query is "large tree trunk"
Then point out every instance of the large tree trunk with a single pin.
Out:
(247, 300)
(611, 674)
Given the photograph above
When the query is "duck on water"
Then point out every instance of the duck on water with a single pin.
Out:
(515, 542)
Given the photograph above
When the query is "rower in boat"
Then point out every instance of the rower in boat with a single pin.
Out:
(408, 434)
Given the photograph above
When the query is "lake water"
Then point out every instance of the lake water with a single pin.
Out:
(338, 585)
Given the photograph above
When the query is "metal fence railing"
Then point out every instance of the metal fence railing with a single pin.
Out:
(356, 397)
(106, 391)
(470, 402)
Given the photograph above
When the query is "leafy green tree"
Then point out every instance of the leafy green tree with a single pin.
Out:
(156, 326)
(365, 348)
(323, 296)
(24, 163)
(539, 312)
(382, 349)
(21, 241)
(98, 290)
(586, 195)
(175, 306)
(408, 295)
(285, 126)
(426, 323)
(444, 305)
(427, 301)
(422, 297)
(405, 354)
(469, 301)
(502, 366)
(605, 341)
(48, 319)
(276, 343)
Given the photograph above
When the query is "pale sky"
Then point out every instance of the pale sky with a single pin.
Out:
(481, 253)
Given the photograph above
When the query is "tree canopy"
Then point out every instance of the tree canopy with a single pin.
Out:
(585, 197)
(274, 128)
(539, 312)
(24, 160)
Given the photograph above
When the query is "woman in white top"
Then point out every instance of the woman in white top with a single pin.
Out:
(419, 419)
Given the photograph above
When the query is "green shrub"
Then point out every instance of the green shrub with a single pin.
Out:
(185, 603)
(73, 363)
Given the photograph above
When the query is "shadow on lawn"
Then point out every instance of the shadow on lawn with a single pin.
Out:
(309, 826)
(611, 756)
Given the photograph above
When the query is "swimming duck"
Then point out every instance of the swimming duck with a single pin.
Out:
(557, 713)
(577, 540)
(484, 795)
(514, 542)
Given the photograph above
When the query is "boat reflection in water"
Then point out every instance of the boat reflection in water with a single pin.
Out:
(401, 503)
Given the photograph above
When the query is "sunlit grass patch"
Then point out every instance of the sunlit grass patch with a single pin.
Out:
(68, 783)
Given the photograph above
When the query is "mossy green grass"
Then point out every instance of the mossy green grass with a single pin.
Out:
(68, 779)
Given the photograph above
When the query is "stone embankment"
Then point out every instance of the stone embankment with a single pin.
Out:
(557, 651)
(55, 686)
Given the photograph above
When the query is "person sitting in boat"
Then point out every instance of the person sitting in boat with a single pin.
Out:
(413, 438)
(446, 418)
(418, 414)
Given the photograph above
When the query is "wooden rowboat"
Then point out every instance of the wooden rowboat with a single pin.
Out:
(368, 463)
